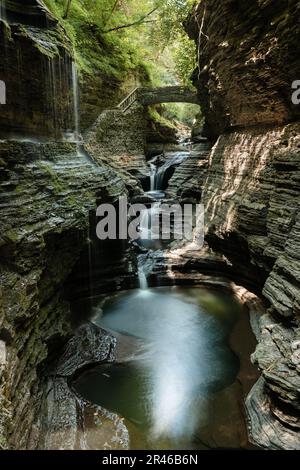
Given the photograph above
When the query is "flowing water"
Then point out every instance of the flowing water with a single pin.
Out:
(159, 175)
(175, 159)
(2, 10)
(76, 102)
(153, 170)
(178, 383)
(143, 283)
(152, 234)
(181, 388)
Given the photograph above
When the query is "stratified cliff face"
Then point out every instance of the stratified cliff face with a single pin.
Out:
(36, 66)
(248, 59)
(47, 192)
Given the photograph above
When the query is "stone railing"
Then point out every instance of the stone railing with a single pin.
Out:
(169, 94)
(129, 100)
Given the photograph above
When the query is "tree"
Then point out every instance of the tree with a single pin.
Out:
(67, 10)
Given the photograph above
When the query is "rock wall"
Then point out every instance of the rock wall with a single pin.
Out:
(99, 92)
(188, 178)
(36, 66)
(118, 139)
(48, 189)
(47, 192)
(248, 59)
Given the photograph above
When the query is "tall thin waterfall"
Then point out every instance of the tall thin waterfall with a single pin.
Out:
(143, 283)
(52, 77)
(2, 10)
(149, 224)
(76, 102)
(153, 170)
(174, 160)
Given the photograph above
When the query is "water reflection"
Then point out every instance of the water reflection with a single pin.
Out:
(186, 358)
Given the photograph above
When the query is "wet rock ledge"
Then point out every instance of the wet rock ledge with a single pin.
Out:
(67, 422)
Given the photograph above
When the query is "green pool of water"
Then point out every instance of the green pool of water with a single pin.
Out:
(181, 388)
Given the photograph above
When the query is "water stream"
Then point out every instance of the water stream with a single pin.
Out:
(153, 170)
(2, 10)
(143, 283)
(176, 385)
(75, 89)
(175, 159)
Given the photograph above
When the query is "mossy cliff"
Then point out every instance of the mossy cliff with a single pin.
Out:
(35, 65)
(109, 65)
(48, 191)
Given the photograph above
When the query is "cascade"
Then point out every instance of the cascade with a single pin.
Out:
(76, 107)
(75, 102)
(176, 159)
(2, 10)
(153, 171)
(143, 283)
(149, 223)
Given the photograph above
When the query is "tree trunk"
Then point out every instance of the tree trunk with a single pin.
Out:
(68, 6)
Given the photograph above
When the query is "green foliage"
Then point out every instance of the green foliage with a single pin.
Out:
(183, 112)
(185, 55)
(156, 115)
(169, 34)
(112, 54)
(157, 48)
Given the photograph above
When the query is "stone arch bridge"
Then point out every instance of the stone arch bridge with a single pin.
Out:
(168, 94)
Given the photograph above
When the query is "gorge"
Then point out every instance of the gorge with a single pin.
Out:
(160, 344)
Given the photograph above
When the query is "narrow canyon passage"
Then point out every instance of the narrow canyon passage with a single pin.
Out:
(182, 373)
(149, 244)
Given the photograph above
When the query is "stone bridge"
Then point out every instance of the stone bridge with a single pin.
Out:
(168, 94)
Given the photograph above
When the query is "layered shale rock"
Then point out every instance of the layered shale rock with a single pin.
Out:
(36, 68)
(66, 421)
(118, 139)
(248, 60)
(249, 57)
(188, 178)
(47, 192)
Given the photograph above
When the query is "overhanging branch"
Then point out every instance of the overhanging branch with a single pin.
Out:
(134, 23)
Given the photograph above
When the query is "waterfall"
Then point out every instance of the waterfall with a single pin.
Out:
(76, 103)
(142, 278)
(149, 223)
(52, 91)
(143, 283)
(2, 10)
(160, 177)
(153, 170)
(144, 224)
(90, 261)
(174, 160)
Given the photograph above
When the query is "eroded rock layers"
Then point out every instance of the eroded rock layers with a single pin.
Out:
(47, 191)
(248, 59)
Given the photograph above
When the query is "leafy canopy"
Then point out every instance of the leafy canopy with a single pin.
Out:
(155, 43)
